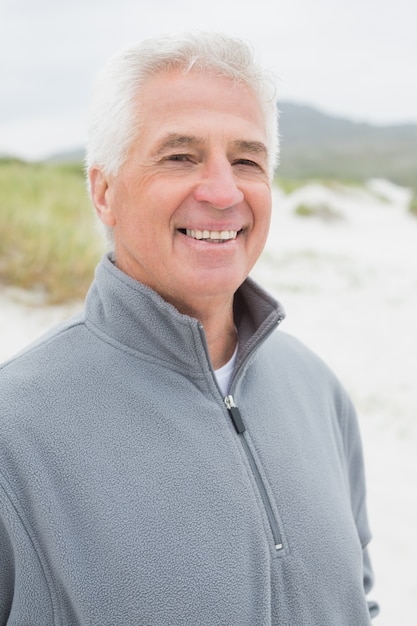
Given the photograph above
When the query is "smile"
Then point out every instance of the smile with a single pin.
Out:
(216, 236)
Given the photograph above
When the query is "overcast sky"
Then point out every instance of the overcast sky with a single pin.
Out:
(354, 58)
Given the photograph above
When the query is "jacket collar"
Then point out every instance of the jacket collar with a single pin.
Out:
(137, 318)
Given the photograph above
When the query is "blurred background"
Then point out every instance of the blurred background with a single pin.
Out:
(351, 59)
(342, 254)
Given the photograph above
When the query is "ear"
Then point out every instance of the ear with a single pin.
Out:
(99, 187)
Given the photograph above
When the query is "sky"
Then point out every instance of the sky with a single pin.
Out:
(350, 58)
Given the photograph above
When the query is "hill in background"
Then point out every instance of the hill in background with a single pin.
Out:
(317, 145)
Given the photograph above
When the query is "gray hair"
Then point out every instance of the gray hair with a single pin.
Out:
(114, 122)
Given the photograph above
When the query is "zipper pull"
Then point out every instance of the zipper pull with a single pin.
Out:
(235, 415)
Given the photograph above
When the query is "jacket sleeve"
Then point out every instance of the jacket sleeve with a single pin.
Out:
(24, 593)
(357, 486)
(6, 572)
(368, 581)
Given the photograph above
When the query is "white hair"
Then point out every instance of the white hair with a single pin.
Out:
(114, 121)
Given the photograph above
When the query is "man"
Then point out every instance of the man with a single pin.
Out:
(167, 458)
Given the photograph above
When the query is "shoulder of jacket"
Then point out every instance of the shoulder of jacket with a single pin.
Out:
(54, 334)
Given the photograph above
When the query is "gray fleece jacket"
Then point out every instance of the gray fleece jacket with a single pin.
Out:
(132, 494)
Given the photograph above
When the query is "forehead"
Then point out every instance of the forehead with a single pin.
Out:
(186, 104)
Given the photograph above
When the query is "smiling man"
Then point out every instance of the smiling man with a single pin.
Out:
(169, 457)
(190, 206)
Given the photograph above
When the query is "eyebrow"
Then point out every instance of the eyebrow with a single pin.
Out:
(254, 147)
(175, 140)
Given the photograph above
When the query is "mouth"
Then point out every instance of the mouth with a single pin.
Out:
(212, 236)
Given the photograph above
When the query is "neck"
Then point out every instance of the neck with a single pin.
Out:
(221, 343)
(219, 328)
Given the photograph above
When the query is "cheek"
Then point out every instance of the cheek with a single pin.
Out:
(261, 224)
(262, 213)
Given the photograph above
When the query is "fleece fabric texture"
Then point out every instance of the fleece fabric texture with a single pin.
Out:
(127, 496)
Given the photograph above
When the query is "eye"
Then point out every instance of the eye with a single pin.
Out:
(178, 161)
(179, 157)
(247, 163)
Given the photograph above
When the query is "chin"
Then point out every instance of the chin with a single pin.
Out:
(222, 286)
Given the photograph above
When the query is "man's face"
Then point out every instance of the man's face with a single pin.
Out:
(190, 208)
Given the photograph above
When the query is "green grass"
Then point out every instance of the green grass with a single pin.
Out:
(413, 205)
(323, 211)
(288, 185)
(49, 241)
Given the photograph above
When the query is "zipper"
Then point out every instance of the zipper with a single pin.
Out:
(240, 428)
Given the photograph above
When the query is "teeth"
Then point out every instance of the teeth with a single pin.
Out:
(214, 235)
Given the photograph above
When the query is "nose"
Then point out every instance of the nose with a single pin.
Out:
(218, 186)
